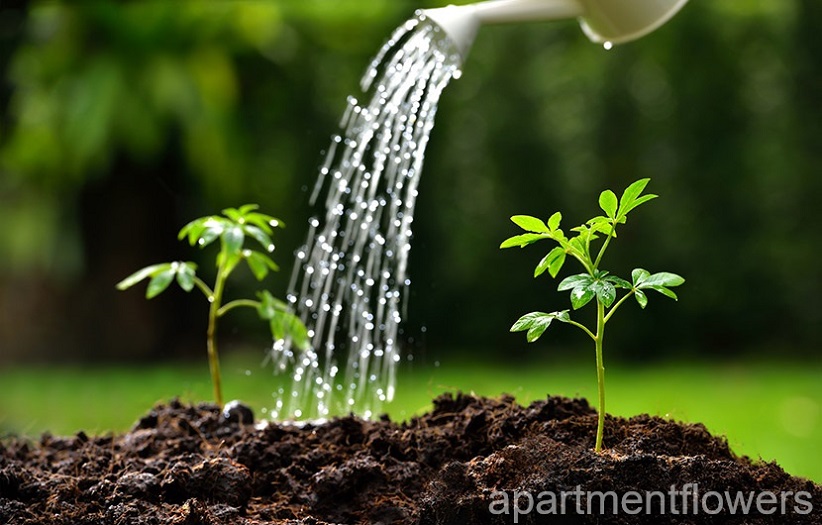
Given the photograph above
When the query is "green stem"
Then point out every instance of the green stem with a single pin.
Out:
(203, 287)
(604, 246)
(236, 304)
(583, 328)
(617, 305)
(600, 375)
(213, 315)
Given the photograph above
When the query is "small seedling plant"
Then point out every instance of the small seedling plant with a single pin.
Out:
(594, 284)
(232, 229)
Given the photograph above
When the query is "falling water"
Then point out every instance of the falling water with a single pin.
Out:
(350, 277)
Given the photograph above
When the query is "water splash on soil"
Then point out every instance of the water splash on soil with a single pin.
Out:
(350, 277)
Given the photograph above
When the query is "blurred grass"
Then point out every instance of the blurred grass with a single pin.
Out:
(767, 410)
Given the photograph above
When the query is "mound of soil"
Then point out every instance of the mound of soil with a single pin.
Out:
(469, 461)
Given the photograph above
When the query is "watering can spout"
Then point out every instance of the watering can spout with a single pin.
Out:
(614, 21)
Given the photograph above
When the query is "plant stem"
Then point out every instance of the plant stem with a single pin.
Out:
(236, 304)
(605, 246)
(618, 304)
(600, 375)
(213, 315)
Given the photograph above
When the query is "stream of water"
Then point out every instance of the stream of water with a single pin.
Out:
(351, 275)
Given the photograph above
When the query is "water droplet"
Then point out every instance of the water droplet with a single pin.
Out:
(607, 45)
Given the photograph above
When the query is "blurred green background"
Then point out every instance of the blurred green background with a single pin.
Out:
(119, 122)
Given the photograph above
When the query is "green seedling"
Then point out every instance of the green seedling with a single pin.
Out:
(594, 284)
(232, 230)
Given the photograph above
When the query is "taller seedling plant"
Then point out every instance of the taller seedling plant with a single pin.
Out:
(594, 284)
(232, 230)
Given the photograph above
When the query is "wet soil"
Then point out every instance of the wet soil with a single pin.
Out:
(468, 461)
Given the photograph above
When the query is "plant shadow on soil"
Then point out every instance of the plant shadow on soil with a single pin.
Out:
(190, 464)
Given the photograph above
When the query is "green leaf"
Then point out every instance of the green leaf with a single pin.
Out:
(259, 263)
(552, 262)
(264, 222)
(141, 274)
(193, 230)
(530, 224)
(638, 275)
(282, 322)
(658, 282)
(159, 282)
(522, 240)
(605, 292)
(581, 296)
(233, 238)
(537, 322)
(260, 236)
(619, 283)
(663, 279)
(631, 197)
(664, 291)
(269, 305)
(185, 276)
(553, 221)
(575, 281)
(603, 225)
(641, 298)
(608, 203)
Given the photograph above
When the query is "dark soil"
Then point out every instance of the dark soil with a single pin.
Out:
(188, 465)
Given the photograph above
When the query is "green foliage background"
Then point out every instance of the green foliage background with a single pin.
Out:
(119, 122)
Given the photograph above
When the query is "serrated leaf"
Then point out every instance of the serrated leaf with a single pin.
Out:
(608, 203)
(522, 240)
(554, 220)
(530, 224)
(641, 298)
(552, 262)
(575, 281)
(159, 282)
(141, 274)
(581, 296)
(638, 276)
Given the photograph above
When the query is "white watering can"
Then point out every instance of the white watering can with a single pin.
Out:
(603, 21)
